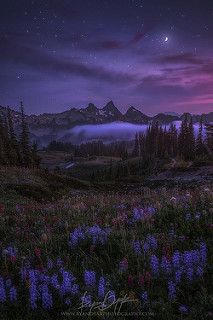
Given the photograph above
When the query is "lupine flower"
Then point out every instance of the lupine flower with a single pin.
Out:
(144, 297)
(137, 214)
(86, 300)
(89, 278)
(97, 234)
(33, 289)
(151, 210)
(2, 290)
(178, 275)
(46, 296)
(203, 252)
(189, 274)
(75, 289)
(152, 241)
(187, 259)
(23, 273)
(154, 264)
(66, 285)
(176, 259)
(146, 247)
(77, 235)
(59, 262)
(13, 294)
(54, 281)
(197, 216)
(171, 290)
(8, 283)
(101, 288)
(195, 256)
(183, 309)
(166, 265)
(136, 247)
(123, 265)
(49, 264)
(199, 271)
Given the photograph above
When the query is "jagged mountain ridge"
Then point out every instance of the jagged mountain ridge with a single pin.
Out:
(92, 115)
(48, 126)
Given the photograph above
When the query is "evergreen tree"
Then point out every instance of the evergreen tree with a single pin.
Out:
(24, 139)
(135, 152)
(200, 147)
(35, 158)
(191, 141)
(13, 145)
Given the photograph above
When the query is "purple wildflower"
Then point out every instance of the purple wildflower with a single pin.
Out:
(47, 300)
(137, 247)
(13, 294)
(137, 214)
(187, 259)
(154, 264)
(101, 288)
(54, 281)
(176, 259)
(75, 289)
(89, 278)
(183, 309)
(195, 256)
(8, 283)
(86, 300)
(2, 290)
(178, 275)
(144, 297)
(146, 247)
(199, 271)
(97, 234)
(33, 289)
(66, 285)
(171, 290)
(76, 236)
(152, 241)
(49, 263)
(203, 252)
(189, 273)
(166, 265)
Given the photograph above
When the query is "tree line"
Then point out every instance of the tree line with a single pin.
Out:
(94, 148)
(156, 142)
(159, 142)
(15, 149)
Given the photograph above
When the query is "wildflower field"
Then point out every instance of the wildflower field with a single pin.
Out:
(144, 255)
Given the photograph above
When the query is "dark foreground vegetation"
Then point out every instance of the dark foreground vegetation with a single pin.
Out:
(96, 242)
(86, 254)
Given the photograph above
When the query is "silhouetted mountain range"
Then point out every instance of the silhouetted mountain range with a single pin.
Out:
(92, 115)
(46, 126)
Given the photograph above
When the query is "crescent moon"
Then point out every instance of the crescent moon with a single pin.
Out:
(166, 39)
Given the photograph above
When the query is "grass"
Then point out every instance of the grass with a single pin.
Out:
(37, 184)
(175, 219)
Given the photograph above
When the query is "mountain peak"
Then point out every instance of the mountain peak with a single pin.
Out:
(111, 109)
(91, 108)
(132, 109)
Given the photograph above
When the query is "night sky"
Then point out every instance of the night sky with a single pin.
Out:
(153, 54)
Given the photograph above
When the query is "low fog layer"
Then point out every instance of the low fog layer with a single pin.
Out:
(112, 131)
